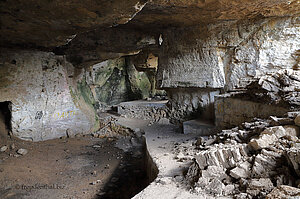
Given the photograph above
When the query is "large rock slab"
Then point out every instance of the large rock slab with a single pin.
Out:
(45, 100)
(218, 55)
(293, 155)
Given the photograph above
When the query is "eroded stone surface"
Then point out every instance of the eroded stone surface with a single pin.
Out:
(45, 100)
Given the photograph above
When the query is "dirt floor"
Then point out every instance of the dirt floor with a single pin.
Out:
(71, 168)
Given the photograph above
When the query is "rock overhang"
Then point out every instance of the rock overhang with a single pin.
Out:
(53, 23)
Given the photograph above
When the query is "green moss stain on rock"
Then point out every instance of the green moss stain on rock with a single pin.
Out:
(115, 89)
(84, 100)
(85, 91)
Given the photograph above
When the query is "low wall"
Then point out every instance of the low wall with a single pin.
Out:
(231, 111)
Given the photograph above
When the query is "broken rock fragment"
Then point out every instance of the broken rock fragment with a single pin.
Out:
(293, 155)
(267, 137)
(297, 120)
(22, 151)
(284, 191)
(3, 149)
(241, 171)
(259, 186)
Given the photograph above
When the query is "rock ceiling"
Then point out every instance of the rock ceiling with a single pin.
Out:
(45, 23)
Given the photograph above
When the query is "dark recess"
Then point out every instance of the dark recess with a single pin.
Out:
(5, 111)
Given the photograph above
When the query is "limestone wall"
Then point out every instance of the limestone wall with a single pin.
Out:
(226, 55)
(46, 100)
(191, 103)
(230, 112)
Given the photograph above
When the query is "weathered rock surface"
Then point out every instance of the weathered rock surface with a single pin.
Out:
(227, 54)
(54, 23)
(268, 137)
(293, 155)
(297, 120)
(44, 23)
(22, 151)
(113, 81)
(227, 115)
(248, 161)
(190, 103)
(46, 97)
(284, 192)
(142, 109)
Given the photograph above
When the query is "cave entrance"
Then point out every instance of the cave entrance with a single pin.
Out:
(5, 117)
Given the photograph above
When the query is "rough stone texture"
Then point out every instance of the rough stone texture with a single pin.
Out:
(226, 156)
(115, 81)
(256, 186)
(53, 23)
(293, 155)
(284, 192)
(236, 170)
(185, 12)
(297, 120)
(151, 110)
(102, 44)
(185, 104)
(227, 54)
(268, 137)
(227, 114)
(45, 100)
(241, 171)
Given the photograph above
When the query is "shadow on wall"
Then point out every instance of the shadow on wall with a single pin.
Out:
(114, 81)
(5, 118)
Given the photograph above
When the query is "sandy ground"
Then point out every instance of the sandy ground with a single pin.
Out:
(83, 167)
(72, 165)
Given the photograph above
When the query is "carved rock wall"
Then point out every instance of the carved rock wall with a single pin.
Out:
(225, 55)
(46, 96)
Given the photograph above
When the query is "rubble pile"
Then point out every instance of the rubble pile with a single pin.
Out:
(109, 127)
(280, 88)
(250, 161)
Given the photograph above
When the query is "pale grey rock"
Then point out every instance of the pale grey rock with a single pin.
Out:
(241, 171)
(22, 151)
(268, 137)
(293, 155)
(3, 148)
(211, 186)
(256, 186)
(214, 172)
(293, 114)
(292, 130)
(227, 116)
(45, 101)
(143, 109)
(227, 54)
(184, 102)
(264, 166)
(263, 141)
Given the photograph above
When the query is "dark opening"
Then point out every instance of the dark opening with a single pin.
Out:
(5, 115)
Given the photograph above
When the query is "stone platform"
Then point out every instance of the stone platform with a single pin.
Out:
(143, 109)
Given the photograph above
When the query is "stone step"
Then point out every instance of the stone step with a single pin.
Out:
(199, 127)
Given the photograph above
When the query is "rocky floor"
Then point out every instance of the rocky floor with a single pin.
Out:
(84, 167)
